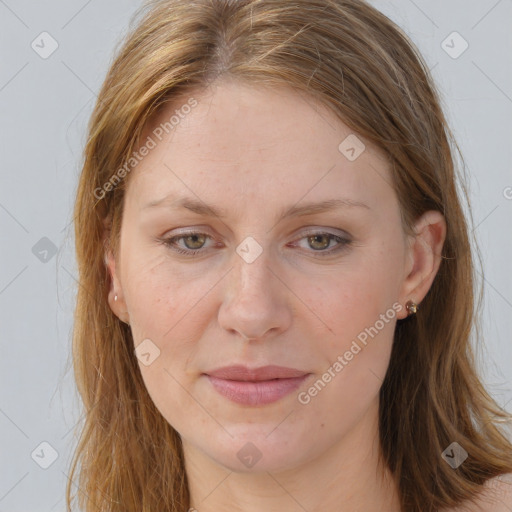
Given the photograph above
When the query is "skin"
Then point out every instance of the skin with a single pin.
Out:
(254, 151)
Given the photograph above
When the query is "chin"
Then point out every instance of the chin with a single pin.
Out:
(258, 448)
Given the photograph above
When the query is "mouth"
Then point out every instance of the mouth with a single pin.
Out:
(259, 386)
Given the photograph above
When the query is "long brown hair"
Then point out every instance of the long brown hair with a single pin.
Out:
(355, 61)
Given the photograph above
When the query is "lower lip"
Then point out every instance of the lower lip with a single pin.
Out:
(256, 393)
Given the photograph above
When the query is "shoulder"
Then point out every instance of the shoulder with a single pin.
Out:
(496, 497)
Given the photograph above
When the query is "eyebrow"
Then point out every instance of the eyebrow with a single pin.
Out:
(202, 208)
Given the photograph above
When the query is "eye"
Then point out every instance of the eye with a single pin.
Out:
(193, 241)
(318, 241)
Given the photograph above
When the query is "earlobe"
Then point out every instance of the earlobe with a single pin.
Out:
(424, 257)
(110, 264)
(115, 295)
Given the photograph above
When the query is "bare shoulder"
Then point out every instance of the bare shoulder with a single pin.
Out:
(496, 497)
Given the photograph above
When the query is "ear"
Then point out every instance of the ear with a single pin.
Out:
(117, 306)
(423, 257)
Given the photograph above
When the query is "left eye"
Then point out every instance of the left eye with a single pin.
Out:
(194, 242)
(320, 241)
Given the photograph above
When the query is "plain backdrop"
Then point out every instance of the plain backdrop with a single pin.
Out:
(45, 104)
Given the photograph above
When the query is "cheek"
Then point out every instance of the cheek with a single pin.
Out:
(357, 308)
(167, 309)
(356, 360)
(161, 292)
(347, 301)
(361, 324)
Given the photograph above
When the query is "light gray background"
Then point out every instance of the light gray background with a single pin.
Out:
(45, 105)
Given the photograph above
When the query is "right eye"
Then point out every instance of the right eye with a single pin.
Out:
(193, 241)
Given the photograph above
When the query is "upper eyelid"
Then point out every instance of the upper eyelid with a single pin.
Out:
(306, 232)
(344, 239)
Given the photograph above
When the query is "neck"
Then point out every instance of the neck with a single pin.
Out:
(347, 478)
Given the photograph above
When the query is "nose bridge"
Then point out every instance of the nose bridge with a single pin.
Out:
(253, 303)
(252, 263)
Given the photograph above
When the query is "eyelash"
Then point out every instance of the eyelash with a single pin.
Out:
(170, 242)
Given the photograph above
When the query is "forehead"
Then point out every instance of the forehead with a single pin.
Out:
(247, 142)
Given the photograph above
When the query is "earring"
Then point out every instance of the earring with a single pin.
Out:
(411, 307)
(115, 297)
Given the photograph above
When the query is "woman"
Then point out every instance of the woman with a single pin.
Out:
(277, 281)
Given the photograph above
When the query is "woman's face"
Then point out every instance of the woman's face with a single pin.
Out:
(275, 280)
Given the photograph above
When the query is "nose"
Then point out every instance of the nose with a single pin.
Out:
(256, 301)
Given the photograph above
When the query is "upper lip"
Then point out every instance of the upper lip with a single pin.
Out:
(242, 373)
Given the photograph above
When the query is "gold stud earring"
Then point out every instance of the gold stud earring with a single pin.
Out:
(411, 307)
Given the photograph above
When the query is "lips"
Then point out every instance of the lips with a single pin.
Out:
(258, 386)
(242, 373)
